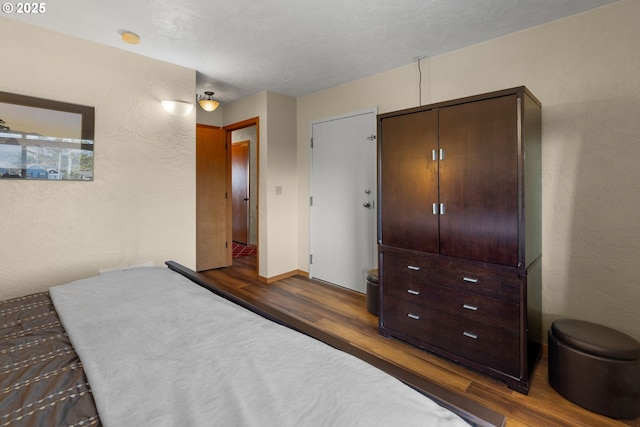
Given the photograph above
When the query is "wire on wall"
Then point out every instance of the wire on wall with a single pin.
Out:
(419, 84)
(418, 59)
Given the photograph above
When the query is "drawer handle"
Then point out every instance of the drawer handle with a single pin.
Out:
(470, 307)
(470, 279)
(413, 267)
(413, 316)
(413, 292)
(470, 335)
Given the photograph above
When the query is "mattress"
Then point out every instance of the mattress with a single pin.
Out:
(149, 347)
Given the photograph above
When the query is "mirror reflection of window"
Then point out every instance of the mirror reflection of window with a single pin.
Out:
(42, 143)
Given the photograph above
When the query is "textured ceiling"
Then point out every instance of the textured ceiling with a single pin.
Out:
(295, 47)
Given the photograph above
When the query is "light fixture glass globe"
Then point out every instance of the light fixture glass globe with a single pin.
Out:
(207, 102)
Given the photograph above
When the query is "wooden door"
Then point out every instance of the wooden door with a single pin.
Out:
(409, 181)
(479, 180)
(240, 191)
(213, 216)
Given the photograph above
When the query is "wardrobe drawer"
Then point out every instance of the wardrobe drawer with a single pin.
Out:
(415, 270)
(478, 308)
(408, 265)
(494, 347)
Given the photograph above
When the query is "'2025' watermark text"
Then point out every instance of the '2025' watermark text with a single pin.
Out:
(24, 8)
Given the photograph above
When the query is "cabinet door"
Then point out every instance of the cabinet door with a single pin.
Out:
(409, 181)
(479, 180)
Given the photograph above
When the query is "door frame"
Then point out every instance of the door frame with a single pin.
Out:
(255, 121)
(374, 249)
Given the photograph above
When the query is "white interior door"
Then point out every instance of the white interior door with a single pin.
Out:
(343, 199)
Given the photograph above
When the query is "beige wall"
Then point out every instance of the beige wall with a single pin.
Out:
(211, 118)
(282, 185)
(585, 70)
(140, 206)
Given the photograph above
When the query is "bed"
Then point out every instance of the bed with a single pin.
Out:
(161, 346)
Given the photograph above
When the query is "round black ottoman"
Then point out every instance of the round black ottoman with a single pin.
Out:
(372, 291)
(595, 367)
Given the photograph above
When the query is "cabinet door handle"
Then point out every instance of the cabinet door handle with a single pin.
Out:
(470, 335)
(413, 267)
(413, 316)
(470, 307)
(470, 279)
(435, 209)
(434, 155)
(413, 292)
(441, 208)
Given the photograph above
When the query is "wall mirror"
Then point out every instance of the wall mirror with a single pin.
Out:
(41, 139)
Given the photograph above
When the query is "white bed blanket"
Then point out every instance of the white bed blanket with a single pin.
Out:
(160, 350)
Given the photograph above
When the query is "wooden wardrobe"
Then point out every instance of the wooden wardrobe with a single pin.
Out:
(459, 227)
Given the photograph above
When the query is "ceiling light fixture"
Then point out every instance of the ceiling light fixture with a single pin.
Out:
(177, 108)
(207, 102)
(130, 37)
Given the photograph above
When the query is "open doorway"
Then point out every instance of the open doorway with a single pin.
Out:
(243, 138)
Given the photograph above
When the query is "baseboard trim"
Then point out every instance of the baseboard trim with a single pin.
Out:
(283, 276)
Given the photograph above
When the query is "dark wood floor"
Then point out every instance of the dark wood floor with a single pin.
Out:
(338, 311)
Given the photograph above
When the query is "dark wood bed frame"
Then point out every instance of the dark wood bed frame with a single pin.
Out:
(472, 412)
